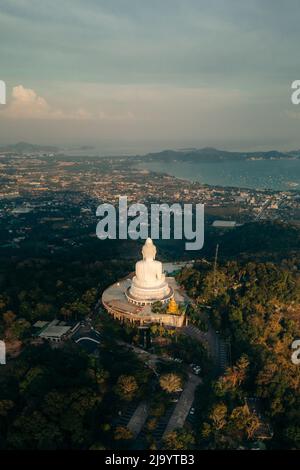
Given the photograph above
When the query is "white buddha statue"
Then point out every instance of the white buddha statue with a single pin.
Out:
(149, 282)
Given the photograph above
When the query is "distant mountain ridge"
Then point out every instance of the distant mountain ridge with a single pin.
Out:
(206, 154)
(210, 154)
(24, 147)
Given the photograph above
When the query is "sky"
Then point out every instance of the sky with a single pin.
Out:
(139, 75)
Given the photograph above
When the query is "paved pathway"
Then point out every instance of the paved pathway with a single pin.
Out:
(194, 332)
(216, 345)
(138, 419)
(183, 406)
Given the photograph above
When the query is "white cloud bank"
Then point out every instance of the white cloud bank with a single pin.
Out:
(25, 103)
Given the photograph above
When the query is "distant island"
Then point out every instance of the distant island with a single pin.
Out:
(209, 154)
(206, 154)
(24, 147)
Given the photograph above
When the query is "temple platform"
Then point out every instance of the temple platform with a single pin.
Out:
(116, 302)
(150, 299)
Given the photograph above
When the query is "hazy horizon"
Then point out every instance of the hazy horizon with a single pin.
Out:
(130, 75)
(143, 148)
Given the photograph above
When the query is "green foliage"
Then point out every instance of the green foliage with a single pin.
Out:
(257, 306)
(126, 387)
(170, 382)
(122, 433)
(157, 307)
(179, 440)
(52, 400)
(189, 350)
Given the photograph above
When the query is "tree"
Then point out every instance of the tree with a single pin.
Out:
(126, 387)
(9, 317)
(5, 407)
(233, 377)
(157, 307)
(151, 424)
(218, 416)
(170, 382)
(179, 440)
(4, 301)
(245, 421)
(293, 434)
(34, 431)
(97, 446)
(89, 297)
(19, 328)
(122, 433)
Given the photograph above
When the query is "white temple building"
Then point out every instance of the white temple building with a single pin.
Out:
(131, 299)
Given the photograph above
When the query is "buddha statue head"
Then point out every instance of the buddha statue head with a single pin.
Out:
(149, 250)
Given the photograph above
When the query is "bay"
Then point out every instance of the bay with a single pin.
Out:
(279, 175)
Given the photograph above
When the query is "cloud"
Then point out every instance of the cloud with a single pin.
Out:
(25, 103)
